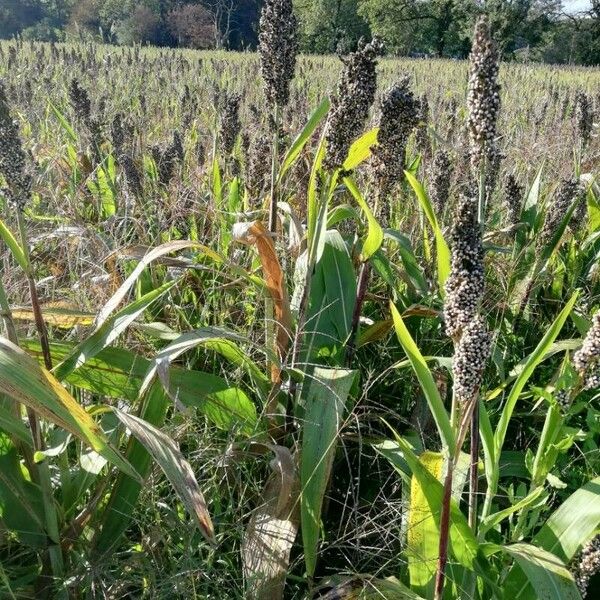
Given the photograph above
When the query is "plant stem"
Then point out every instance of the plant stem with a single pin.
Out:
(51, 517)
(274, 169)
(474, 475)
(444, 531)
(363, 280)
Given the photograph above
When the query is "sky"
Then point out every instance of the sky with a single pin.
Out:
(576, 5)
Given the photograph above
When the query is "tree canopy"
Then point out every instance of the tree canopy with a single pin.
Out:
(525, 29)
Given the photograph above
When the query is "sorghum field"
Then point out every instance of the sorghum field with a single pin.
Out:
(279, 327)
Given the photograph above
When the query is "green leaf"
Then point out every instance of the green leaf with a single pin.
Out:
(573, 523)
(442, 250)
(432, 394)
(547, 575)
(375, 232)
(324, 392)
(531, 202)
(534, 359)
(303, 137)
(360, 150)
(24, 380)
(21, 507)
(463, 544)
(317, 208)
(64, 123)
(331, 302)
(14, 246)
(118, 373)
(409, 260)
(144, 261)
(217, 185)
(109, 331)
(496, 518)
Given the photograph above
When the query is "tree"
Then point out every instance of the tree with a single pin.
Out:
(420, 26)
(192, 25)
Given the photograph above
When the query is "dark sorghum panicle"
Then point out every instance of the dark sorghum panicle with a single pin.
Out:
(167, 159)
(278, 47)
(513, 199)
(80, 101)
(200, 152)
(14, 165)
(230, 123)
(397, 118)
(117, 132)
(580, 213)
(555, 213)
(587, 564)
(470, 357)
(483, 98)
(350, 108)
(132, 175)
(441, 174)
(587, 359)
(422, 135)
(584, 117)
(464, 287)
(259, 165)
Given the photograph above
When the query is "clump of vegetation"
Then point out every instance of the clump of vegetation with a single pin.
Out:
(265, 337)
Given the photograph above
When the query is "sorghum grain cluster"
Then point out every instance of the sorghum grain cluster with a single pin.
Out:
(470, 357)
(483, 99)
(464, 287)
(588, 565)
(397, 118)
(278, 47)
(565, 196)
(14, 165)
(513, 199)
(230, 123)
(350, 108)
(441, 174)
(587, 359)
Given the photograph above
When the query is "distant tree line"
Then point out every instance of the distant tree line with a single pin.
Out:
(525, 29)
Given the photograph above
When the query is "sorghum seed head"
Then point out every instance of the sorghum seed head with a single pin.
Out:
(587, 358)
(555, 213)
(80, 101)
(278, 47)
(441, 174)
(259, 165)
(350, 108)
(230, 123)
(422, 136)
(464, 287)
(583, 116)
(562, 398)
(397, 118)
(470, 357)
(14, 165)
(513, 199)
(483, 98)
(587, 564)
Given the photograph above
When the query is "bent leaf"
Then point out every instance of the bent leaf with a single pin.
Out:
(430, 390)
(177, 470)
(272, 530)
(24, 380)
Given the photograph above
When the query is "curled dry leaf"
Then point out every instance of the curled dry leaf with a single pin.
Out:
(272, 530)
(256, 234)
